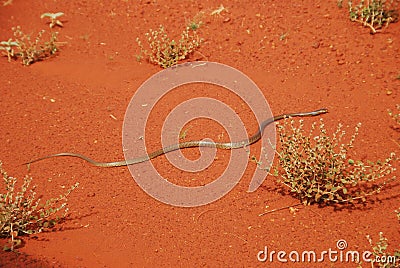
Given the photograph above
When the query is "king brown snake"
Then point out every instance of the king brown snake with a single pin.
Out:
(188, 144)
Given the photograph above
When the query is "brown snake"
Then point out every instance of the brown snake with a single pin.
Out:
(188, 144)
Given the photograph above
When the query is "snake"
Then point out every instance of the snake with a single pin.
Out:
(189, 144)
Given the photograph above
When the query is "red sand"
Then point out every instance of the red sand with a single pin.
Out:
(304, 55)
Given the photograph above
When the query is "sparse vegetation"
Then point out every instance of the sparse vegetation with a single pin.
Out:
(218, 10)
(374, 14)
(381, 256)
(22, 213)
(28, 50)
(317, 168)
(196, 22)
(54, 21)
(166, 52)
(8, 48)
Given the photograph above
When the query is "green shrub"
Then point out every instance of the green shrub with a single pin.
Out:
(166, 52)
(374, 14)
(21, 213)
(316, 169)
(29, 50)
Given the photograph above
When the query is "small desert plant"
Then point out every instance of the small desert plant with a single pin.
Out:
(21, 213)
(395, 115)
(318, 170)
(166, 52)
(8, 48)
(374, 14)
(383, 258)
(29, 50)
(53, 18)
(218, 10)
(196, 22)
(7, 2)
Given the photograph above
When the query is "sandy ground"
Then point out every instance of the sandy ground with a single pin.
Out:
(303, 55)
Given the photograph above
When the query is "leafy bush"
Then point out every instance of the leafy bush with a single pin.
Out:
(374, 13)
(318, 170)
(166, 52)
(21, 213)
(28, 50)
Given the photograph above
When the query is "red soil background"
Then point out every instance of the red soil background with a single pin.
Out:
(324, 60)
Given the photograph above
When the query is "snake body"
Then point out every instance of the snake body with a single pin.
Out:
(189, 144)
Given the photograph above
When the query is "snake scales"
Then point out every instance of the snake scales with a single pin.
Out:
(189, 144)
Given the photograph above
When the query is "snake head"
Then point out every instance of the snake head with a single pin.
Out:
(320, 111)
